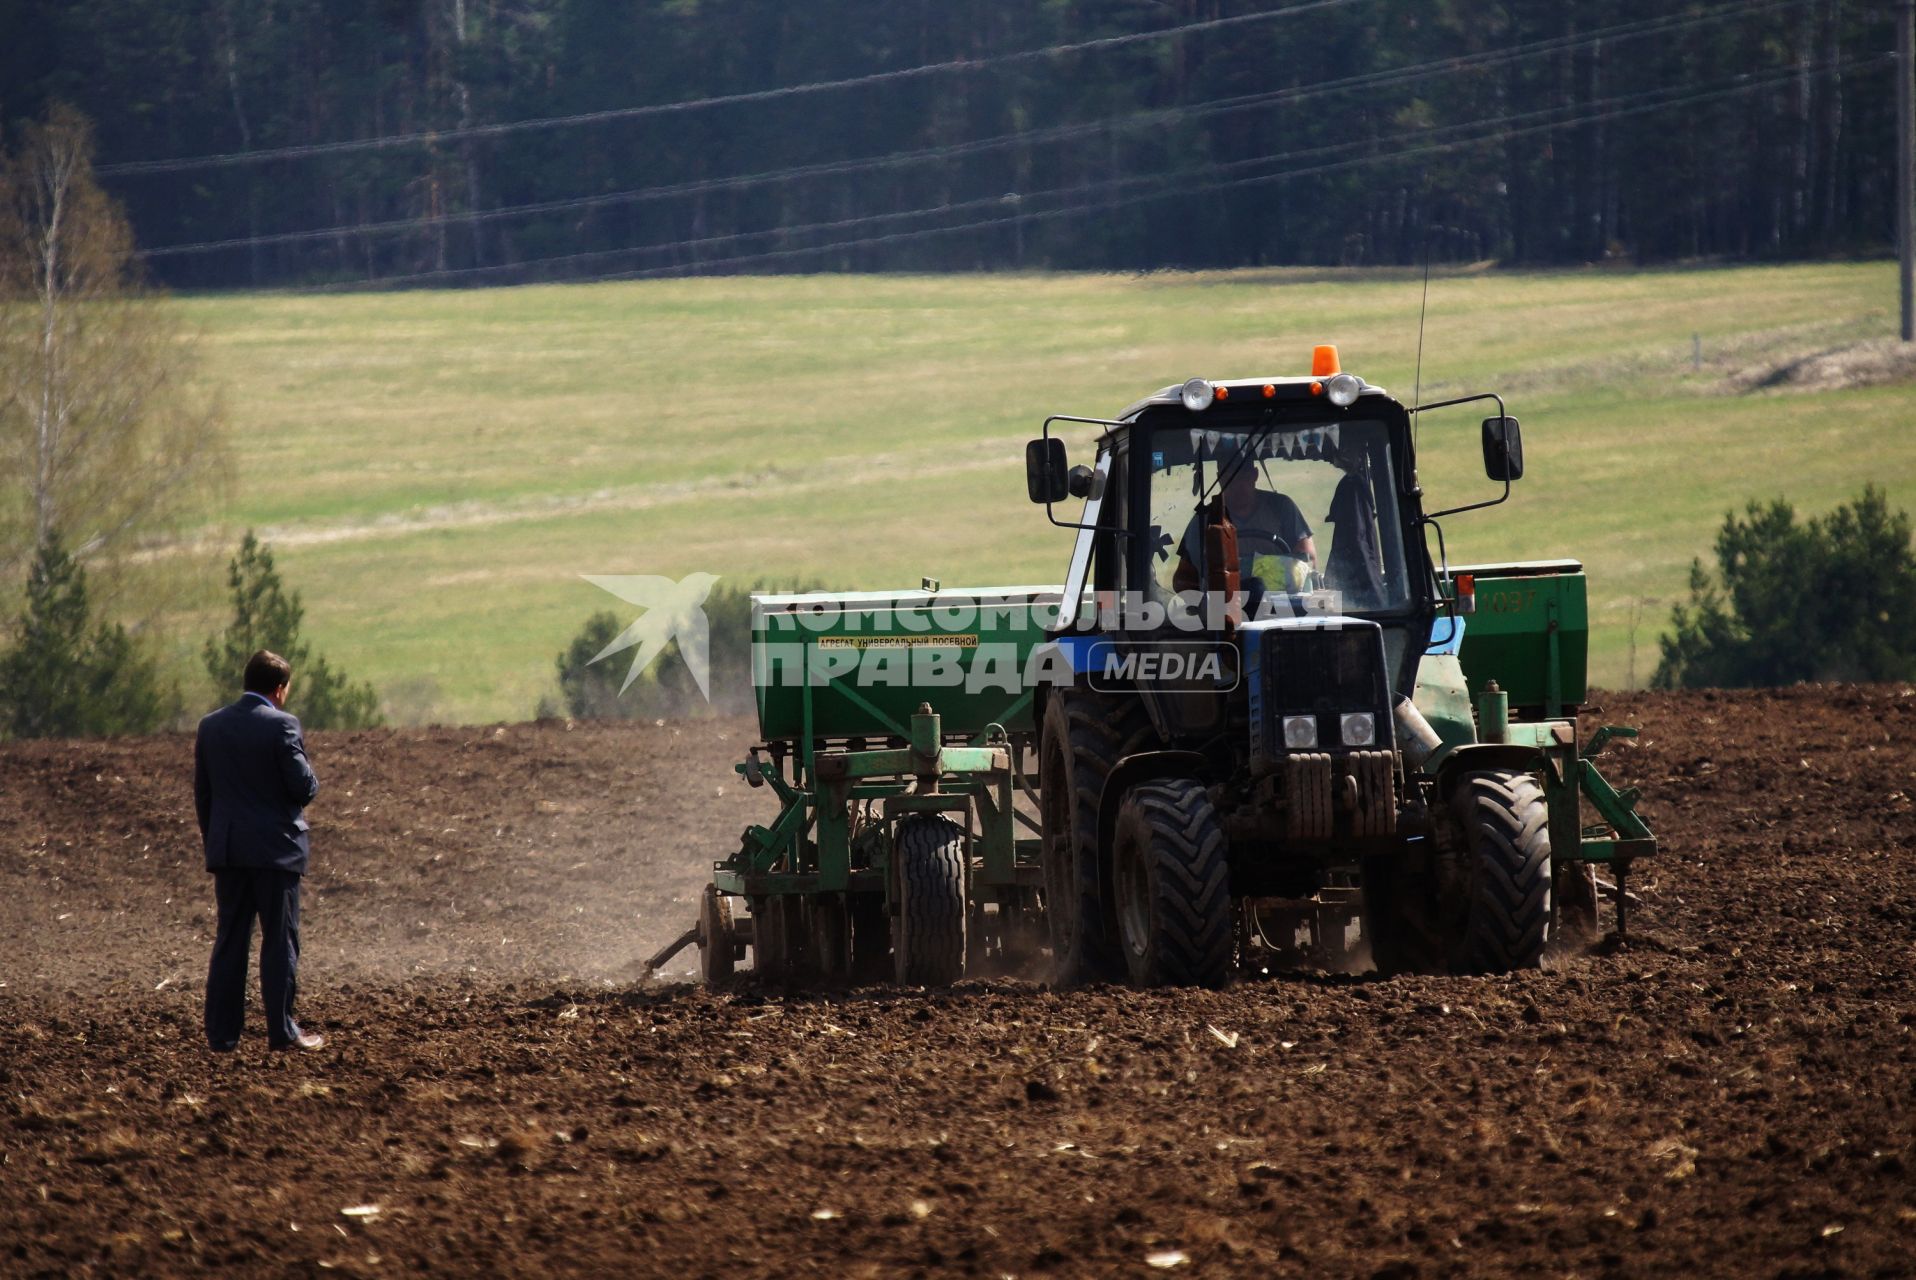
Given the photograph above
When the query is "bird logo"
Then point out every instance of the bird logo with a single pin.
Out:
(673, 611)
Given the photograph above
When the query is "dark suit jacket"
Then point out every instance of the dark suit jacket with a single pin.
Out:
(250, 781)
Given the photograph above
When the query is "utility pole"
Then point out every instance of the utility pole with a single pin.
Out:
(1905, 140)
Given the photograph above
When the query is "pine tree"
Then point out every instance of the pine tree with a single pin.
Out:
(1833, 598)
(267, 616)
(66, 678)
(591, 690)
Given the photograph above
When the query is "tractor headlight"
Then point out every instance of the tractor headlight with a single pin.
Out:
(1342, 389)
(1300, 732)
(1197, 394)
(1359, 728)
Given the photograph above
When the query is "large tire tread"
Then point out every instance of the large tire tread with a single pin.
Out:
(929, 944)
(1507, 831)
(1191, 942)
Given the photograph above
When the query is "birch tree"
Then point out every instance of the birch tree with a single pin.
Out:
(106, 443)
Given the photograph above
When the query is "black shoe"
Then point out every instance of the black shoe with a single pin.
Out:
(303, 1040)
(222, 1046)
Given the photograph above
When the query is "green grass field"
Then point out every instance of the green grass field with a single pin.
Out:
(435, 470)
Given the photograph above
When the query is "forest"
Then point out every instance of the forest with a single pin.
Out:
(355, 143)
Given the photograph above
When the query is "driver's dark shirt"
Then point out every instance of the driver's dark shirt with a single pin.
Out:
(1275, 515)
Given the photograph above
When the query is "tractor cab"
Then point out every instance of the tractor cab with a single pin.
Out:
(1223, 514)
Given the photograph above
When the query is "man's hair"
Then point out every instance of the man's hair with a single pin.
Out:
(267, 671)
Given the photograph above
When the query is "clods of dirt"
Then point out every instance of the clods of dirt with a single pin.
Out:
(1729, 1095)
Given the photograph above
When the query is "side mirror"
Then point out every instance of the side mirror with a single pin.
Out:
(1503, 449)
(1045, 475)
(1078, 481)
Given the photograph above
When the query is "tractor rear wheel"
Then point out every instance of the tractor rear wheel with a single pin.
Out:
(1085, 735)
(1495, 896)
(928, 942)
(1172, 887)
(715, 936)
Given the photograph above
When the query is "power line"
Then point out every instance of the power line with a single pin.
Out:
(1182, 183)
(1178, 183)
(1195, 182)
(1039, 137)
(135, 167)
(1781, 78)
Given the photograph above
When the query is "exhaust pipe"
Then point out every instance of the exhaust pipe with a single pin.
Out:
(1415, 738)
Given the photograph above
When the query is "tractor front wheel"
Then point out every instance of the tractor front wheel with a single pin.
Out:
(1494, 895)
(1172, 887)
(928, 942)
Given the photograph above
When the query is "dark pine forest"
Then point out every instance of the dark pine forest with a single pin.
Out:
(303, 142)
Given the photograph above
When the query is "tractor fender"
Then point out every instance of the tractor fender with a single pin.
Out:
(1126, 774)
(1473, 756)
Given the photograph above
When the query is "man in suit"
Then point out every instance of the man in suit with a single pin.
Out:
(250, 781)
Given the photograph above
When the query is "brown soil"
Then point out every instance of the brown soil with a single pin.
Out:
(1728, 1096)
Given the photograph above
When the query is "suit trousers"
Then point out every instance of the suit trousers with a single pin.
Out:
(273, 897)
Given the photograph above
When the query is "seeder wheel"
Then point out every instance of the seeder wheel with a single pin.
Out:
(928, 949)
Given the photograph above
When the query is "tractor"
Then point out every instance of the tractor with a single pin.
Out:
(1262, 722)
(1290, 731)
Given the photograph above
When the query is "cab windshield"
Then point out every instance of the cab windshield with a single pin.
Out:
(1315, 508)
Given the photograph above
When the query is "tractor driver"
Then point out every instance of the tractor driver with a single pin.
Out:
(1269, 524)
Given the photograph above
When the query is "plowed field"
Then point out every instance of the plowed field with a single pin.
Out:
(1730, 1095)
